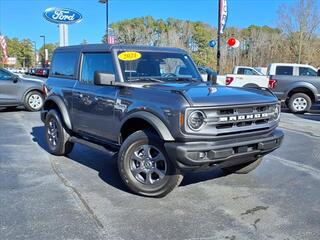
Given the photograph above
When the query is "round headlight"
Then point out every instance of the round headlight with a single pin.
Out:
(196, 120)
(277, 112)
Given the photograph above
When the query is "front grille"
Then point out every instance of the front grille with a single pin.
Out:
(230, 120)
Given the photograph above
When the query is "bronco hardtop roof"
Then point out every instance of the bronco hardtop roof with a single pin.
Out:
(106, 47)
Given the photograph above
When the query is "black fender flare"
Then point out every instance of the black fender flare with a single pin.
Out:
(154, 121)
(62, 108)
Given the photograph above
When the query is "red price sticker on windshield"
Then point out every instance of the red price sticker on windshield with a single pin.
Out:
(129, 56)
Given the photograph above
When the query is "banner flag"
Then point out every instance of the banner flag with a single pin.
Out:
(223, 15)
(3, 45)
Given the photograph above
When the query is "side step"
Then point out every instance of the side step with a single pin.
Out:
(106, 149)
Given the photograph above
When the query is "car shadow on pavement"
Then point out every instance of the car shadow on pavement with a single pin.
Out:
(310, 116)
(106, 163)
(12, 109)
(313, 114)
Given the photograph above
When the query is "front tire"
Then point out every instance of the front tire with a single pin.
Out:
(33, 101)
(243, 168)
(145, 167)
(299, 103)
(56, 135)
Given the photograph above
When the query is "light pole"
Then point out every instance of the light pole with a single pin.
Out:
(44, 50)
(219, 37)
(107, 17)
(35, 53)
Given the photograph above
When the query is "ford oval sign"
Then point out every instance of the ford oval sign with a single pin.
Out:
(62, 15)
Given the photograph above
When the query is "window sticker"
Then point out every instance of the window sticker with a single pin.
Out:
(129, 56)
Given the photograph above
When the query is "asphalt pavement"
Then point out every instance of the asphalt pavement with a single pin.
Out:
(81, 196)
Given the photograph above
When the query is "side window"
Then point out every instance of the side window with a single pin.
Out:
(91, 62)
(4, 75)
(284, 70)
(240, 71)
(249, 72)
(64, 64)
(305, 71)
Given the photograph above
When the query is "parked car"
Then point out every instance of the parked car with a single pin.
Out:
(17, 70)
(296, 85)
(163, 122)
(243, 76)
(16, 90)
(42, 72)
(31, 71)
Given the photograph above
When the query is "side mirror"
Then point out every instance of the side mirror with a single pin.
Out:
(212, 77)
(15, 78)
(319, 72)
(101, 78)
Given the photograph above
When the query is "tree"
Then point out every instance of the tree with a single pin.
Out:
(22, 50)
(299, 23)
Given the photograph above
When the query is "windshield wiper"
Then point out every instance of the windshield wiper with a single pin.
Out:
(145, 79)
(185, 79)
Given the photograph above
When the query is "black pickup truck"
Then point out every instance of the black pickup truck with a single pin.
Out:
(151, 105)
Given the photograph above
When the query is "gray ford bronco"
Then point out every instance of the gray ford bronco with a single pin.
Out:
(151, 106)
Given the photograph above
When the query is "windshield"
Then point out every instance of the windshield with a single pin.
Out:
(157, 67)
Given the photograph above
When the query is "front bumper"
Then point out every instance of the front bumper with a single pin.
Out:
(192, 156)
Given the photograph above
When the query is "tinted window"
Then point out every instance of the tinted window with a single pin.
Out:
(101, 62)
(305, 71)
(246, 71)
(5, 75)
(241, 71)
(65, 64)
(284, 70)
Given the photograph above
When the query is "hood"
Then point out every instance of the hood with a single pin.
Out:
(32, 79)
(205, 95)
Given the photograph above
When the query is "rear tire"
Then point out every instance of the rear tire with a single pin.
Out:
(56, 135)
(299, 103)
(243, 168)
(34, 101)
(145, 167)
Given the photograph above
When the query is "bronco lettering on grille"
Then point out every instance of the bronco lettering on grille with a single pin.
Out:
(244, 117)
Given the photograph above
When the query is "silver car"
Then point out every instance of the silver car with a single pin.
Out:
(17, 90)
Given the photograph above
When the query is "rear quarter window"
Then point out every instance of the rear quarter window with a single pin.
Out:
(64, 64)
(284, 70)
